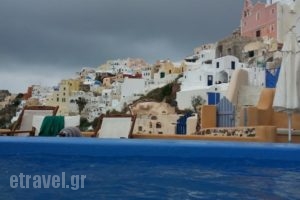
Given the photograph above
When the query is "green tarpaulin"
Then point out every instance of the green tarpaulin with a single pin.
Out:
(52, 125)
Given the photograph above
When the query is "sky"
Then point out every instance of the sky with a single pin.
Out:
(45, 41)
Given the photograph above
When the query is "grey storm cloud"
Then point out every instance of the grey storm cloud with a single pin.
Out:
(70, 34)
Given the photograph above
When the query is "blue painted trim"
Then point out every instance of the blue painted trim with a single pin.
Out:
(146, 148)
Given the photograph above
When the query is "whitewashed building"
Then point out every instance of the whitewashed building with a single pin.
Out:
(146, 72)
(201, 78)
(41, 93)
(106, 97)
(132, 87)
(205, 53)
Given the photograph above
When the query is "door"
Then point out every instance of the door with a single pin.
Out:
(209, 80)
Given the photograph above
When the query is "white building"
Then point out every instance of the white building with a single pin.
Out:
(73, 106)
(41, 93)
(224, 67)
(205, 52)
(257, 76)
(201, 78)
(146, 72)
(132, 87)
(124, 66)
(106, 97)
(162, 78)
(94, 108)
(288, 2)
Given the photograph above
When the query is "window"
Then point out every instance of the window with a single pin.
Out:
(257, 16)
(258, 33)
(158, 125)
(140, 128)
(153, 118)
(232, 65)
(208, 62)
(218, 65)
(251, 54)
(272, 28)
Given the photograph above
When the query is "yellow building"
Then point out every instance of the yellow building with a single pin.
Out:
(167, 67)
(61, 97)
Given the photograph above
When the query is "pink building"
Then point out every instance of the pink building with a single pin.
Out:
(260, 20)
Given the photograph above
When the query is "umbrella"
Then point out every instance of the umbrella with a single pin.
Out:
(287, 95)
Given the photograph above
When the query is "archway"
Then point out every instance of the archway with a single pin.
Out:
(222, 77)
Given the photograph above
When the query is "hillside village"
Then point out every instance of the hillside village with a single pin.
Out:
(163, 95)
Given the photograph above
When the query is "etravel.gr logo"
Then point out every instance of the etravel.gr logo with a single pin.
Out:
(47, 181)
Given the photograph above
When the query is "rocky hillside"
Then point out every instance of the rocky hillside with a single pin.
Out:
(9, 111)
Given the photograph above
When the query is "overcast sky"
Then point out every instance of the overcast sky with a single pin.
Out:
(44, 41)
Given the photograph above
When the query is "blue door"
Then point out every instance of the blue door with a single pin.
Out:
(181, 124)
(213, 98)
(225, 113)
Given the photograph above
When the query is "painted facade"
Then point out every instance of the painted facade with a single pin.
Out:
(61, 96)
(272, 19)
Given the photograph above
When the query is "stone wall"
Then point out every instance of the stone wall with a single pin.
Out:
(233, 45)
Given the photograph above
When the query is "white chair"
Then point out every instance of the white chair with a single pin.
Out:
(23, 126)
(117, 126)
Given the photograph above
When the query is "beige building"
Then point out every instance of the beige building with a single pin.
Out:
(61, 96)
(107, 82)
(167, 67)
(154, 118)
(156, 124)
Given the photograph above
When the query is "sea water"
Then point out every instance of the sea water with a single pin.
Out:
(139, 177)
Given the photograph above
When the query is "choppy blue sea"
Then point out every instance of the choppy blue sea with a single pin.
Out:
(154, 177)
